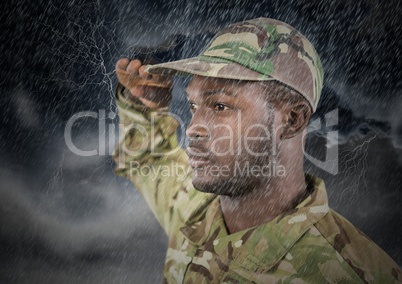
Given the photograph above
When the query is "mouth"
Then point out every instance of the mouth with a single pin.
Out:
(197, 158)
(197, 162)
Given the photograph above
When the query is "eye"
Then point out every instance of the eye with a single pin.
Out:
(220, 107)
(192, 106)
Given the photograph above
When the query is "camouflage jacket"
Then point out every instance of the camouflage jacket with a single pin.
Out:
(309, 244)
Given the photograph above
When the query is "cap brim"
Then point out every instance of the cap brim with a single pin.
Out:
(216, 68)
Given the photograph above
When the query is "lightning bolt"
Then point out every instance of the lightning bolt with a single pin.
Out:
(354, 159)
(85, 42)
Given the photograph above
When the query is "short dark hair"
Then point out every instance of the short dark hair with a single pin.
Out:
(279, 93)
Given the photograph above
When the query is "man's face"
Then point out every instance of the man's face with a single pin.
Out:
(232, 135)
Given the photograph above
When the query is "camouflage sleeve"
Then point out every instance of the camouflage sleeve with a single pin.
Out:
(148, 153)
(366, 258)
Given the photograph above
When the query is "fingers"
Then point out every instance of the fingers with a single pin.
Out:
(153, 91)
(143, 73)
(122, 63)
(137, 91)
(133, 66)
(152, 97)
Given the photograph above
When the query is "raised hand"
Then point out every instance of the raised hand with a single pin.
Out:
(154, 91)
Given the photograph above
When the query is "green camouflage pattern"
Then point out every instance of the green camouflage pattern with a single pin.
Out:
(309, 244)
(258, 50)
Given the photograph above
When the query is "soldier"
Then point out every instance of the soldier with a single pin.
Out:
(246, 212)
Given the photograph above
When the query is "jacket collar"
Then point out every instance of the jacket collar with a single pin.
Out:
(263, 246)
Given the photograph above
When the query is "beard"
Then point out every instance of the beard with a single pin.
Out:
(238, 175)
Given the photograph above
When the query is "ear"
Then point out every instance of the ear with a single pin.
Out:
(295, 119)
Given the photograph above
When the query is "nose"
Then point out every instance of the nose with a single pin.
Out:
(198, 127)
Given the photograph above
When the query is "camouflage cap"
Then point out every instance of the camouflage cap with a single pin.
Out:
(258, 50)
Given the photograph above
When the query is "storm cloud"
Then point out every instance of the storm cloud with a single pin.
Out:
(67, 218)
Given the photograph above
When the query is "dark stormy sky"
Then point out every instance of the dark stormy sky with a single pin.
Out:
(68, 219)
